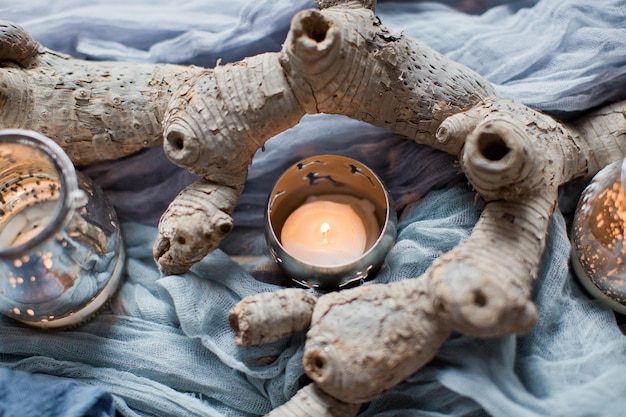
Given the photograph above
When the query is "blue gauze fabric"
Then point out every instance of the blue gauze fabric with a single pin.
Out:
(20, 396)
(164, 347)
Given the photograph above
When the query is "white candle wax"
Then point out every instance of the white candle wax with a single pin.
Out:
(330, 230)
(27, 224)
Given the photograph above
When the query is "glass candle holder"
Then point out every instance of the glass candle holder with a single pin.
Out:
(598, 251)
(61, 251)
(329, 222)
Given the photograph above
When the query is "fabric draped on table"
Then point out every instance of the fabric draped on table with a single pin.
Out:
(164, 347)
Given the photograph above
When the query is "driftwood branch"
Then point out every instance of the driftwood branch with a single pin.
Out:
(338, 60)
(363, 341)
(310, 401)
(289, 309)
(95, 110)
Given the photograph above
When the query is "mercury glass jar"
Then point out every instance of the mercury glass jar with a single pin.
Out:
(598, 250)
(61, 252)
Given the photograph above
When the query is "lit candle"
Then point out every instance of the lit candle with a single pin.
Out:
(27, 224)
(329, 222)
(330, 230)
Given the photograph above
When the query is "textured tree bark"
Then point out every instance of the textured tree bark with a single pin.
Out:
(214, 125)
(338, 60)
(514, 157)
(483, 287)
(511, 150)
(95, 110)
(289, 309)
(344, 61)
(365, 340)
(601, 137)
(205, 207)
(311, 402)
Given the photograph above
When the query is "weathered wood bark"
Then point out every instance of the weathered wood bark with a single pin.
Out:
(311, 402)
(365, 340)
(515, 158)
(511, 150)
(601, 136)
(95, 110)
(338, 60)
(205, 207)
(344, 61)
(290, 309)
(483, 287)
(214, 125)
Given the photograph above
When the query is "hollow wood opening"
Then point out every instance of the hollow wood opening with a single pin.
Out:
(492, 147)
(315, 26)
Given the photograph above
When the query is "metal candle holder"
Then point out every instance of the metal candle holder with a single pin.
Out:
(318, 176)
(61, 250)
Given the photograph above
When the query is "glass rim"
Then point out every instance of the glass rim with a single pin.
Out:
(68, 192)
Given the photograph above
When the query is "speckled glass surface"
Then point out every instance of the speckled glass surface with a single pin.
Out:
(598, 248)
(61, 251)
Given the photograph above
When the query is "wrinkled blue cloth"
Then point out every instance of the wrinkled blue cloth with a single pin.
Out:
(165, 348)
(20, 396)
(556, 56)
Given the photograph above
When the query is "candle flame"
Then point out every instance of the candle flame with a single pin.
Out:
(324, 229)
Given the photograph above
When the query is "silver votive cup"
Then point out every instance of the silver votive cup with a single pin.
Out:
(61, 251)
(320, 176)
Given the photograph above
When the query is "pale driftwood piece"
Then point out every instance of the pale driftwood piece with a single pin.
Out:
(289, 309)
(483, 287)
(205, 206)
(515, 157)
(365, 340)
(511, 150)
(514, 151)
(95, 110)
(601, 136)
(338, 60)
(311, 402)
(347, 4)
(344, 61)
(213, 127)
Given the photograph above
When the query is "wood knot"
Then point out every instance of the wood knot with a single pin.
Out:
(82, 94)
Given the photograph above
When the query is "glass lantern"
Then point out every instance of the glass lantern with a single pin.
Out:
(598, 250)
(61, 252)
